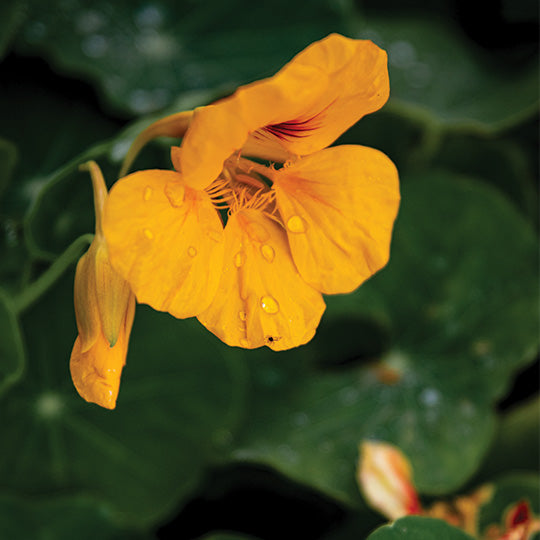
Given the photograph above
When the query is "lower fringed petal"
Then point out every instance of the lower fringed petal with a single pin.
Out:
(262, 300)
(339, 206)
(96, 372)
(166, 240)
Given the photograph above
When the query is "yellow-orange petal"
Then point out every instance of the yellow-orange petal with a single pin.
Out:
(112, 292)
(166, 240)
(339, 207)
(312, 100)
(96, 372)
(262, 300)
(85, 299)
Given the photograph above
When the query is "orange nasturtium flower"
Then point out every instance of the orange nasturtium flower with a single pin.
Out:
(104, 309)
(316, 220)
(385, 479)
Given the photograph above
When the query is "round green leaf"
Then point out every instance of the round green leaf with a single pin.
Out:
(144, 55)
(517, 442)
(178, 403)
(500, 162)
(450, 319)
(418, 528)
(59, 518)
(436, 73)
(71, 126)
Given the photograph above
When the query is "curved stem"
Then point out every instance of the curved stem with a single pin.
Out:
(36, 289)
(100, 191)
(174, 125)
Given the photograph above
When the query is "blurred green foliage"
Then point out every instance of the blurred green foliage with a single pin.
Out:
(453, 317)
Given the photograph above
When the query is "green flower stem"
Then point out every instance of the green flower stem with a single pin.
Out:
(36, 289)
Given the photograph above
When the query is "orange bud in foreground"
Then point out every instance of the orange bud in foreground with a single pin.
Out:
(104, 309)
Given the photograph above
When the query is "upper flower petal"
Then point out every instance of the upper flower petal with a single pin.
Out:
(262, 299)
(312, 100)
(338, 206)
(166, 240)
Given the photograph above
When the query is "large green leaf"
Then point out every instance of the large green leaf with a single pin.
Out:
(418, 528)
(517, 441)
(499, 161)
(143, 55)
(179, 401)
(48, 130)
(60, 518)
(450, 319)
(436, 73)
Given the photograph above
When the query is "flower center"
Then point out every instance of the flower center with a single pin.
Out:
(243, 184)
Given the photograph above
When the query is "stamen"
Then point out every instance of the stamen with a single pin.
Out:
(234, 191)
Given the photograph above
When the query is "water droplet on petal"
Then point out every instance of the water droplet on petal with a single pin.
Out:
(147, 193)
(269, 305)
(268, 252)
(242, 315)
(296, 224)
(175, 192)
(192, 251)
(149, 234)
(239, 259)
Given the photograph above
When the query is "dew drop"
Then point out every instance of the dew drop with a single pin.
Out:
(268, 252)
(89, 21)
(300, 419)
(349, 395)
(269, 305)
(430, 397)
(287, 454)
(149, 16)
(147, 193)
(192, 251)
(149, 234)
(239, 259)
(95, 46)
(242, 315)
(296, 224)
(49, 405)
(175, 192)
